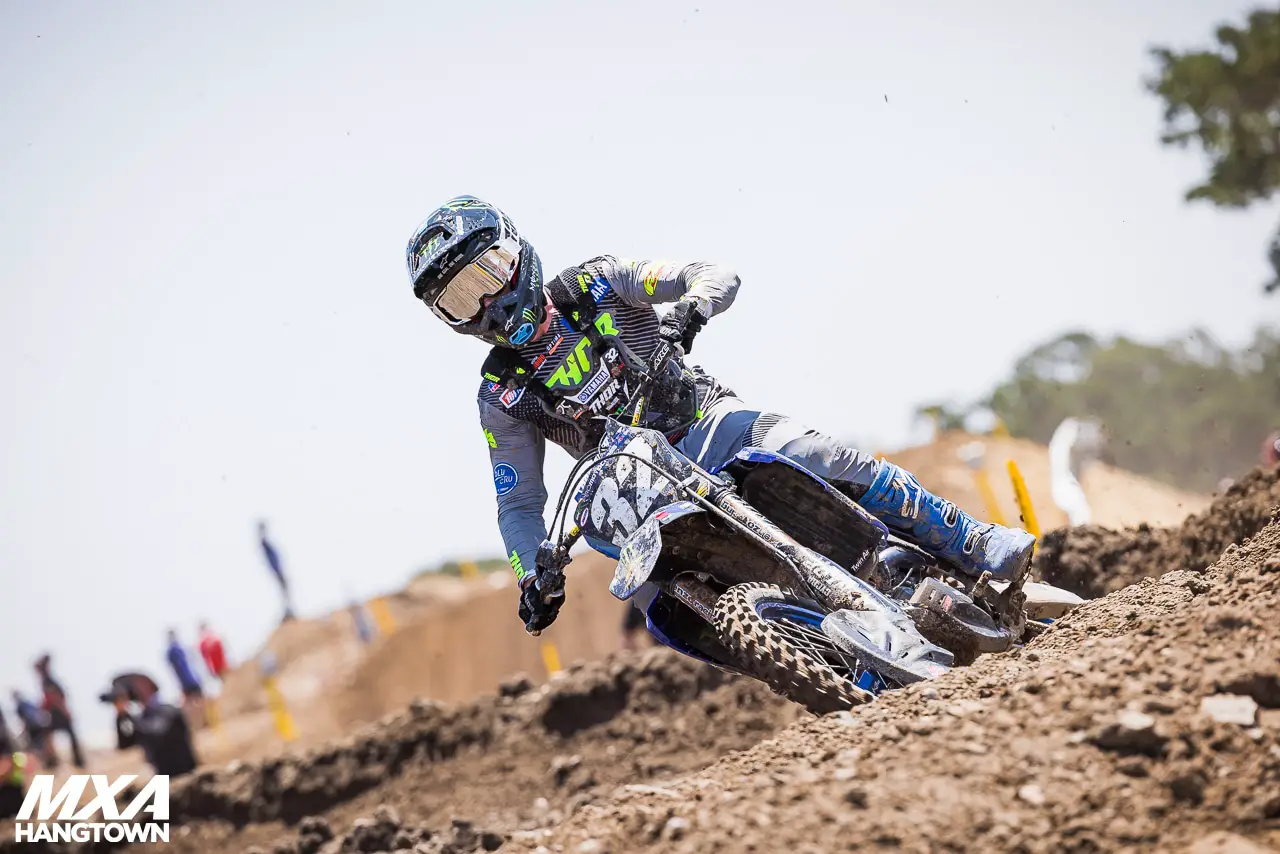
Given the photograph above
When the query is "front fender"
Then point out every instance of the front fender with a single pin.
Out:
(639, 553)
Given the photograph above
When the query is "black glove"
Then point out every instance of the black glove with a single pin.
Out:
(682, 322)
(536, 612)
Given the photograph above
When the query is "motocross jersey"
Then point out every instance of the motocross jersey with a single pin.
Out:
(517, 423)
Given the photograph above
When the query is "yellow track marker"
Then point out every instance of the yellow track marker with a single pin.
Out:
(382, 616)
(1024, 501)
(214, 718)
(988, 497)
(279, 712)
(550, 658)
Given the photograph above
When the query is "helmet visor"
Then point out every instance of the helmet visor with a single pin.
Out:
(488, 276)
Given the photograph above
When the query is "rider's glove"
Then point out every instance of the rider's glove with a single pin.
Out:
(535, 611)
(685, 319)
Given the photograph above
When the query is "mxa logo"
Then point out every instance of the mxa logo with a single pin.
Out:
(115, 825)
(578, 362)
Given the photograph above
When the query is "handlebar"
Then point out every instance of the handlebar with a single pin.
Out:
(664, 353)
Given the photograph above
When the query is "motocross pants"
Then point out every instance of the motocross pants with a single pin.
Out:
(729, 425)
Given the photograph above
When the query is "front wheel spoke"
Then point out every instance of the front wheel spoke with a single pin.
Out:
(809, 642)
(808, 632)
(823, 647)
(825, 653)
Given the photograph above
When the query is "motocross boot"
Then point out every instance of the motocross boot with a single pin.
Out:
(935, 524)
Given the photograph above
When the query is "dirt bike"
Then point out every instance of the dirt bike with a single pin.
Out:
(765, 569)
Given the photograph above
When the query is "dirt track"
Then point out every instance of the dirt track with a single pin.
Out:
(1092, 739)
(1094, 561)
(461, 650)
(1098, 737)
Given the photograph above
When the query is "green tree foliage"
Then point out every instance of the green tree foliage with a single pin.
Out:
(1227, 101)
(943, 416)
(1188, 412)
(485, 565)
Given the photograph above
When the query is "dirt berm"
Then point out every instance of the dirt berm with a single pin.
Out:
(1149, 720)
(1093, 561)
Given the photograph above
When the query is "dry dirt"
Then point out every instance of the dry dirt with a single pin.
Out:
(1149, 720)
(462, 650)
(1093, 561)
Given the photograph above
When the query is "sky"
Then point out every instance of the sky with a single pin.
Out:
(205, 317)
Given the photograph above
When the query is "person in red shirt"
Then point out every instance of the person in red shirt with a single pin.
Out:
(215, 658)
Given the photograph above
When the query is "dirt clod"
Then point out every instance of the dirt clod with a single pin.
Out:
(1231, 709)
(1131, 731)
(1032, 794)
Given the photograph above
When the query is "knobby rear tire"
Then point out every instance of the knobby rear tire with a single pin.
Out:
(773, 658)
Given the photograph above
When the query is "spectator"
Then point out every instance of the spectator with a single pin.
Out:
(215, 659)
(192, 690)
(364, 626)
(16, 767)
(55, 703)
(143, 720)
(37, 726)
(277, 569)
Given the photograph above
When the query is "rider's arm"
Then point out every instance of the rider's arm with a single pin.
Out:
(516, 452)
(651, 282)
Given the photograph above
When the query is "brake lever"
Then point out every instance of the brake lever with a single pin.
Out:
(551, 559)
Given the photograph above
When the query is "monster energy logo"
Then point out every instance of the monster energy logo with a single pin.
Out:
(435, 241)
(462, 203)
(570, 372)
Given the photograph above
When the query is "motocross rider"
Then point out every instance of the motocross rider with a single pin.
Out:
(476, 273)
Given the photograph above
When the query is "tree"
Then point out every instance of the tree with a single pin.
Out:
(943, 415)
(1228, 102)
(1188, 412)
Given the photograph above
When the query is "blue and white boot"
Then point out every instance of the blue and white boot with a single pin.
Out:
(935, 524)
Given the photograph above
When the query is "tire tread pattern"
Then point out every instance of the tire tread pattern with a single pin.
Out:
(774, 659)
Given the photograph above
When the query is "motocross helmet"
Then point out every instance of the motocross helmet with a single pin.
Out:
(468, 251)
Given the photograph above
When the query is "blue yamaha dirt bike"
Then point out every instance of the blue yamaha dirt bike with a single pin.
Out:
(765, 569)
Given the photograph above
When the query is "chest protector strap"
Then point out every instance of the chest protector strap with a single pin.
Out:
(570, 293)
